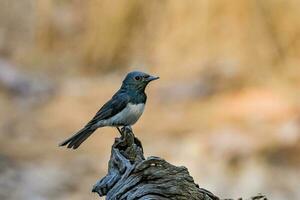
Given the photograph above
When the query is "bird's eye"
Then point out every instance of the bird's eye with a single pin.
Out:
(137, 78)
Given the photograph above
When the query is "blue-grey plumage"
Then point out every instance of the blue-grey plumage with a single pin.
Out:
(123, 109)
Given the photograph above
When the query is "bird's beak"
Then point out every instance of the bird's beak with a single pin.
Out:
(152, 78)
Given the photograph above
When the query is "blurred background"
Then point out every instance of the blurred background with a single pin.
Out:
(227, 105)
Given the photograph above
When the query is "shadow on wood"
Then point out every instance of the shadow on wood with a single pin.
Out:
(132, 177)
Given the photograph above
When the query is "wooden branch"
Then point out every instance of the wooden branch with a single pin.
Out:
(132, 177)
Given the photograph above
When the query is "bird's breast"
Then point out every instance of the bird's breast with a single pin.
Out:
(128, 116)
(135, 109)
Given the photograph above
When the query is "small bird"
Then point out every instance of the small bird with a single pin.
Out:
(123, 109)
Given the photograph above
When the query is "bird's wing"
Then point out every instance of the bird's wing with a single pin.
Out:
(116, 104)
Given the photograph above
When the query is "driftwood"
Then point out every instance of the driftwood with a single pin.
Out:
(132, 177)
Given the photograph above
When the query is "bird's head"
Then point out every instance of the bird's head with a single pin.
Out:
(137, 80)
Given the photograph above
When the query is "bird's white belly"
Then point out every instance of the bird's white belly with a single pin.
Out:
(128, 116)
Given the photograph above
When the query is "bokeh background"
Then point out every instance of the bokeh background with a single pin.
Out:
(227, 105)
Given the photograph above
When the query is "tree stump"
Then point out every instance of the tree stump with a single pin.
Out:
(132, 177)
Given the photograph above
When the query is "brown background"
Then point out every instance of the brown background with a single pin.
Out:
(226, 106)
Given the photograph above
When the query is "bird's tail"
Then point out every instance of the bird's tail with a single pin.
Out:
(76, 140)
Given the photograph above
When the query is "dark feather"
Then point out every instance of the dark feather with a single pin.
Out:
(117, 103)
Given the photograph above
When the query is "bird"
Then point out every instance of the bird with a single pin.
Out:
(123, 109)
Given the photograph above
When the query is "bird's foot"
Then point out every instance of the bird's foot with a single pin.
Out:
(120, 131)
(126, 128)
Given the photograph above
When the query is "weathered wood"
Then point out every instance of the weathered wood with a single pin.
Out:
(132, 177)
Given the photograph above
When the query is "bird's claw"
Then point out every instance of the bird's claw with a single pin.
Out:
(126, 128)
